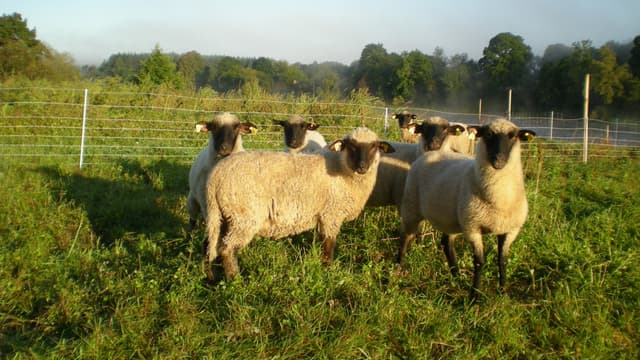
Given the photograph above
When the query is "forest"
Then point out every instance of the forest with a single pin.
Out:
(551, 82)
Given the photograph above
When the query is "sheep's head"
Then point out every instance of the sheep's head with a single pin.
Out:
(404, 118)
(225, 129)
(295, 131)
(434, 132)
(362, 149)
(499, 138)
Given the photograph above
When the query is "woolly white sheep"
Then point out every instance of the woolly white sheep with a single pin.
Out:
(301, 136)
(275, 194)
(404, 119)
(225, 138)
(470, 196)
(438, 133)
(392, 173)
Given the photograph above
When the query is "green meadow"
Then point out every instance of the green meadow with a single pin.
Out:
(95, 264)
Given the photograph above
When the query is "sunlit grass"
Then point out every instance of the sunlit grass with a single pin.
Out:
(94, 264)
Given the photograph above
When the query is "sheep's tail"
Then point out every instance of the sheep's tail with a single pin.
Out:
(214, 225)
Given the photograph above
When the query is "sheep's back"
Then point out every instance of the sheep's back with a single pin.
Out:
(279, 194)
(440, 180)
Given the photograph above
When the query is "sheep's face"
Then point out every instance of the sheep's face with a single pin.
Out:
(404, 119)
(225, 135)
(434, 134)
(499, 142)
(295, 133)
(360, 156)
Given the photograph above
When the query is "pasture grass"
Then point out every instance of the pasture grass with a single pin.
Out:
(94, 264)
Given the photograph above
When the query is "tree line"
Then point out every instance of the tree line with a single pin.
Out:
(553, 81)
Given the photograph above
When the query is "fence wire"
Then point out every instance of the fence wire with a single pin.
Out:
(37, 124)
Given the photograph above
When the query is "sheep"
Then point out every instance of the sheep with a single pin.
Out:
(404, 119)
(301, 136)
(469, 196)
(391, 176)
(275, 194)
(225, 138)
(439, 133)
(433, 133)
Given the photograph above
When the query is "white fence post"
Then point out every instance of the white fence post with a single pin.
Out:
(509, 107)
(386, 121)
(585, 146)
(551, 127)
(84, 125)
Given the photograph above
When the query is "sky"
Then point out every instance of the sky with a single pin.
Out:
(322, 30)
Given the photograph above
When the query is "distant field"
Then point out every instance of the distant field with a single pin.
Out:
(94, 264)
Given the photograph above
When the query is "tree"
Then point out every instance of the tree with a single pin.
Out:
(21, 53)
(230, 74)
(158, 69)
(506, 61)
(634, 60)
(124, 66)
(609, 77)
(189, 65)
(375, 71)
(414, 77)
(555, 52)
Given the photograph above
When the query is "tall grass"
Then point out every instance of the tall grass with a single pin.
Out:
(94, 264)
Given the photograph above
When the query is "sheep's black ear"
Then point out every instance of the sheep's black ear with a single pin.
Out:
(414, 128)
(202, 127)
(312, 126)
(455, 129)
(394, 116)
(385, 147)
(337, 145)
(280, 122)
(248, 128)
(526, 135)
(414, 116)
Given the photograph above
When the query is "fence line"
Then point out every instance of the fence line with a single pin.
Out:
(74, 124)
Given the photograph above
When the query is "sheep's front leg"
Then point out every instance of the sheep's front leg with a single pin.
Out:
(504, 243)
(328, 247)
(450, 252)
(478, 262)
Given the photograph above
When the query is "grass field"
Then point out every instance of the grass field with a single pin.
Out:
(94, 264)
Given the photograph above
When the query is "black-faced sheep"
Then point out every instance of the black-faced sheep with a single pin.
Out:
(473, 197)
(301, 136)
(404, 119)
(225, 138)
(275, 194)
(438, 133)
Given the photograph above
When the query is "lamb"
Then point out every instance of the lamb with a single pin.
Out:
(301, 136)
(225, 138)
(439, 133)
(472, 196)
(275, 194)
(404, 119)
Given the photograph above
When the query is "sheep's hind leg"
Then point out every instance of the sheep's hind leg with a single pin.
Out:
(448, 247)
(407, 236)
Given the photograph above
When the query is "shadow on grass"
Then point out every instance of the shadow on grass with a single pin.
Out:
(129, 198)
